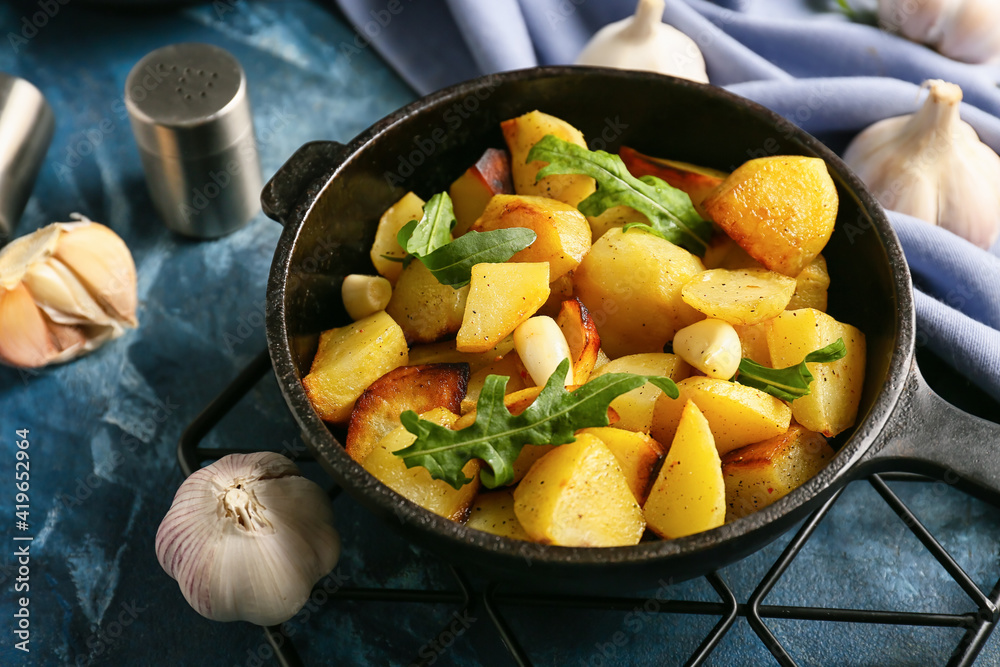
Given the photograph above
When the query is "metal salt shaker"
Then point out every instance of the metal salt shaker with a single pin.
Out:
(26, 127)
(191, 118)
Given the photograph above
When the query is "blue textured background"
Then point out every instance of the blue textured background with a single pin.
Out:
(104, 428)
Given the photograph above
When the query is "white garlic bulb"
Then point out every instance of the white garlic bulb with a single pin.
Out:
(65, 290)
(645, 42)
(247, 538)
(966, 30)
(932, 165)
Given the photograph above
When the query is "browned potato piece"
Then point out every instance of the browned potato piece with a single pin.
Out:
(811, 286)
(493, 513)
(525, 131)
(509, 365)
(416, 483)
(635, 408)
(501, 296)
(562, 232)
(472, 191)
(581, 335)
(417, 388)
(739, 296)
(444, 352)
(577, 496)
(637, 453)
(697, 181)
(410, 207)
(348, 360)
(834, 395)
(631, 284)
(738, 415)
(759, 474)
(425, 309)
(689, 495)
(780, 209)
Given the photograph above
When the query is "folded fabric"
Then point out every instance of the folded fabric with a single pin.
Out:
(828, 75)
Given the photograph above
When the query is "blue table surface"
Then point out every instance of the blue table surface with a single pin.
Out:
(103, 429)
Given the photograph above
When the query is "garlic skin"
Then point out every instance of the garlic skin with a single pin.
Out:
(65, 290)
(932, 165)
(247, 538)
(966, 30)
(644, 42)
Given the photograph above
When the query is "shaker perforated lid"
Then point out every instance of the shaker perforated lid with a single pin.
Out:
(191, 118)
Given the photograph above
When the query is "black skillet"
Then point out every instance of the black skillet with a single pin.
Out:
(330, 196)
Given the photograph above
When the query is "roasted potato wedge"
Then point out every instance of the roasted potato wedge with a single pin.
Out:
(493, 513)
(635, 408)
(697, 181)
(349, 359)
(834, 395)
(576, 495)
(631, 283)
(753, 340)
(562, 232)
(739, 296)
(445, 352)
(472, 191)
(759, 474)
(638, 454)
(689, 494)
(501, 296)
(425, 309)
(509, 365)
(416, 484)
(409, 207)
(811, 286)
(581, 335)
(738, 415)
(418, 388)
(780, 209)
(525, 131)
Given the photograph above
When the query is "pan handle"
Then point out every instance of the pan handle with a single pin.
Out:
(928, 435)
(295, 181)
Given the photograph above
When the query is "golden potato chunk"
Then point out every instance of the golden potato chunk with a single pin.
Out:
(738, 415)
(759, 474)
(525, 131)
(753, 340)
(577, 496)
(418, 388)
(834, 395)
(689, 494)
(631, 283)
(562, 232)
(741, 296)
(780, 209)
(697, 181)
(416, 484)
(425, 309)
(409, 207)
(581, 335)
(635, 408)
(637, 453)
(501, 296)
(509, 365)
(615, 217)
(472, 191)
(493, 513)
(349, 359)
(444, 352)
(811, 286)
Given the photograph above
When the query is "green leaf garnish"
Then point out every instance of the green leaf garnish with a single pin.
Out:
(451, 262)
(497, 437)
(671, 214)
(792, 382)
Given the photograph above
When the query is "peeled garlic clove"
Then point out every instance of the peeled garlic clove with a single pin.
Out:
(25, 339)
(104, 265)
(247, 538)
(644, 42)
(932, 165)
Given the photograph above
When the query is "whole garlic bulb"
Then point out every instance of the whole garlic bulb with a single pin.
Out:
(247, 538)
(65, 290)
(932, 165)
(966, 30)
(645, 42)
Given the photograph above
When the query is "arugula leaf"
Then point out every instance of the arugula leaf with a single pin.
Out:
(497, 437)
(433, 230)
(792, 382)
(671, 214)
(452, 264)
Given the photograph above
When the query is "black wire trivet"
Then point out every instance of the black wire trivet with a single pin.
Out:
(978, 624)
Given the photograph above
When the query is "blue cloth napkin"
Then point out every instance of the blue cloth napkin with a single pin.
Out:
(802, 59)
